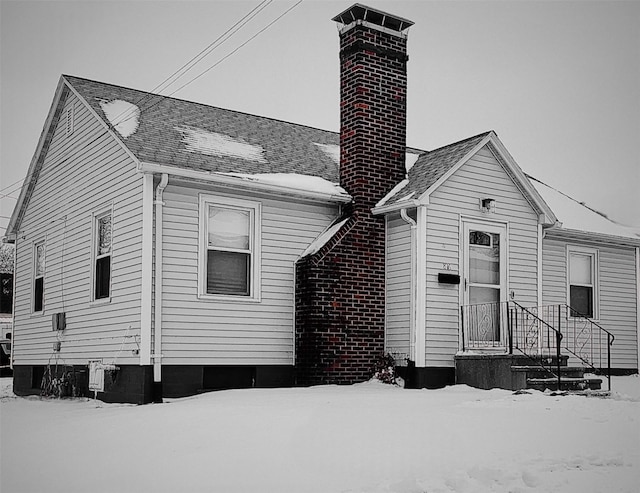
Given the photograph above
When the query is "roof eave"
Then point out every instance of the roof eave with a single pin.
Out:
(561, 232)
(547, 216)
(239, 182)
(18, 211)
(397, 206)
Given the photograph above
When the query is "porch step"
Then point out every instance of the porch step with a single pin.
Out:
(540, 372)
(566, 383)
(543, 359)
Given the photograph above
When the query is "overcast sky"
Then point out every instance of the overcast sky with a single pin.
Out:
(558, 81)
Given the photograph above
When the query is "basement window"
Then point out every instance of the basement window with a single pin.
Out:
(582, 280)
(229, 252)
(38, 276)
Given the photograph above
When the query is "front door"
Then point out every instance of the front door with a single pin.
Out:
(485, 282)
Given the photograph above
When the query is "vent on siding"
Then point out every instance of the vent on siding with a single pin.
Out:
(69, 120)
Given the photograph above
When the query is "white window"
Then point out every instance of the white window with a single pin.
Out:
(102, 243)
(229, 248)
(38, 276)
(582, 281)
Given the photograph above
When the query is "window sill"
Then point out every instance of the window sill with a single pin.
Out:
(229, 298)
(101, 301)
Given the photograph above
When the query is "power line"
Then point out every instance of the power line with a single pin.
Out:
(190, 64)
(130, 113)
(256, 10)
(12, 185)
(231, 53)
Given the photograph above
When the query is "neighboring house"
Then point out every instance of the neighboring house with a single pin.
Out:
(6, 306)
(166, 247)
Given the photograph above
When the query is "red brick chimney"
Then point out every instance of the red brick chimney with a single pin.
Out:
(373, 98)
(340, 289)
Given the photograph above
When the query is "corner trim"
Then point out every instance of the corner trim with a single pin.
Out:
(147, 269)
(638, 305)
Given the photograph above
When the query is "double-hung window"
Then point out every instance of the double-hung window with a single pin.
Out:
(229, 248)
(583, 269)
(38, 276)
(102, 256)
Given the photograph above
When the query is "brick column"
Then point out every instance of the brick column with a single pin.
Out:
(340, 303)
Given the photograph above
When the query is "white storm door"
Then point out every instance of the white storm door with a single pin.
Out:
(485, 279)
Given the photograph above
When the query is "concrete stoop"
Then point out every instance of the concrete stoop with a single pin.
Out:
(516, 372)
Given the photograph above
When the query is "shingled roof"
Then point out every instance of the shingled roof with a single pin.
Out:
(430, 167)
(183, 134)
(169, 129)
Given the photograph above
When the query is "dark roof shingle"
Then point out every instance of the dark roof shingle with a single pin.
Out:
(432, 165)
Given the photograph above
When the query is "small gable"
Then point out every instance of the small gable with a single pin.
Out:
(429, 168)
(483, 176)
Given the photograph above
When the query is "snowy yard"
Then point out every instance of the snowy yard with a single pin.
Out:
(365, 438)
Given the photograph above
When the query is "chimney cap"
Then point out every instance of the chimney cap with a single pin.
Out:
(374, 16)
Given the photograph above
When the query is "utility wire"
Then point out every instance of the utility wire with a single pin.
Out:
(228, 55)
(12, 185)
(190, 64)
(243, 44)
(254, 11)
(130, 113)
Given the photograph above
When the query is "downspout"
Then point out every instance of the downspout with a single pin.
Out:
(157, 342)
(540, 270)
(413, 303)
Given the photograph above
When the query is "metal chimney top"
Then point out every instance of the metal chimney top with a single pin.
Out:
(373, 16)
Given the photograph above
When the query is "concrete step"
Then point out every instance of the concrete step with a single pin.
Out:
(543, 359)
(568, 384)
(548, 372)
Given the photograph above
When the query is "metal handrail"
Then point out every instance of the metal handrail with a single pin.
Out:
(558, 340)
(540, 320)
(571, 314)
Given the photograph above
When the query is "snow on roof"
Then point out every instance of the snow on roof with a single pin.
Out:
(304, 183)
(324, 237)
(410, 160)
(124, 116)
(578, 216)
(393, 192)
(333, 151)
(203, 141)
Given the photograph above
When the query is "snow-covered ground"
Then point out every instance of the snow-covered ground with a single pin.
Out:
(364, 438)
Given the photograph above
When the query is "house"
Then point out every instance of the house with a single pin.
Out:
(6, 306)
(165, 247)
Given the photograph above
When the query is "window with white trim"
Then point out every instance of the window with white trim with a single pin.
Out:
(102, 256)
(582, 275)
(229, 252)
(38, 276)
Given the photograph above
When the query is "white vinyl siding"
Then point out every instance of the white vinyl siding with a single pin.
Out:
(398, 291)
(199, 330)
(481, 177)
(616, 289)
(81, 173)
